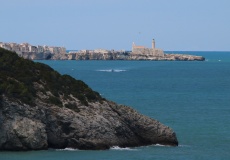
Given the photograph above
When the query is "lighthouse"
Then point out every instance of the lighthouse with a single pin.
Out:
(153, 44)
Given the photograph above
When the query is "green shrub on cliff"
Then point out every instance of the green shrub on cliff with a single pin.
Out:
(18, 76)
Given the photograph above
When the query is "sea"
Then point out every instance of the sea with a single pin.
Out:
(191, 97)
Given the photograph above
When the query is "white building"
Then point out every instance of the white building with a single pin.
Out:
(25, 47)
(33, 49)
(62, 50)
(101, 51)
(5, 46)
(40, 49)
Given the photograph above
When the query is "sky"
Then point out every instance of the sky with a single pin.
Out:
(176, 25)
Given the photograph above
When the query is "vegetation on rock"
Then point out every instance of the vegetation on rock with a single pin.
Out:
(18, 77)
(41, 109)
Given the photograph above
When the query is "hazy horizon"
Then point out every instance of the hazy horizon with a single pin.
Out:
(199, 25)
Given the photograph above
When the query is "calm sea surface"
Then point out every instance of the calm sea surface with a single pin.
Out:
(193, 98)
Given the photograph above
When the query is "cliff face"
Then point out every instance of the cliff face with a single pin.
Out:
(96, 126)
(183, 57)
(43, 56)
(40, 109)
(134, 56)
(112, 56)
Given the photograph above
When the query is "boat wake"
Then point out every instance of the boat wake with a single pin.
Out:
(111, 70)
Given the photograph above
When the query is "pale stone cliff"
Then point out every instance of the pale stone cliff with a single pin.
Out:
(133, 56)
(112, 56)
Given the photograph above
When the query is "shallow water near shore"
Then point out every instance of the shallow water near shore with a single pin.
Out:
(193, 98)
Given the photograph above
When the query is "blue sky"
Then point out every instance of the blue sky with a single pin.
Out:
(188, 25)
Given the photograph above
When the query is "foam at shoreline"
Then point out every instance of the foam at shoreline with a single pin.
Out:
(123, 149)
(67, 149)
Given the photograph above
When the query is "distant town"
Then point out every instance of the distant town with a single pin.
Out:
(26, 47)
(45, 52)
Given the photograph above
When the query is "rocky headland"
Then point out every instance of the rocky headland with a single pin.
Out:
(28, 51)
(117, 55)
(41, 109)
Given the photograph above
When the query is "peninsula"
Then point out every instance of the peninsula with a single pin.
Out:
(59, 53)
(41, 109)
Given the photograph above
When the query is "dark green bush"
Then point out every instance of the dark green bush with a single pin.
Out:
(55, 101)
(72, 107)
(17, 77)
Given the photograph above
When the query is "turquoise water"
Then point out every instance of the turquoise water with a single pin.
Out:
(191, 97)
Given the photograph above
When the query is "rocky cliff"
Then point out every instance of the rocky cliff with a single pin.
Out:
(40, 109)
(116, 55)
(130, 56)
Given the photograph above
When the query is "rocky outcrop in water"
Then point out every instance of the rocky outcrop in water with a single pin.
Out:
(183, 57)
(132, 56)
(41, 109)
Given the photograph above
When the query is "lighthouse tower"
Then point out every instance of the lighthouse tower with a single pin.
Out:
(153, 44)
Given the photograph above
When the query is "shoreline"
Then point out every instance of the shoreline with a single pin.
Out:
(125, 56)
(31, 52)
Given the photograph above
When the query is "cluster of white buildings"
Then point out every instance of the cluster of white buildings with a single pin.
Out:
(141, 50)
(96, 51)
(27, 48)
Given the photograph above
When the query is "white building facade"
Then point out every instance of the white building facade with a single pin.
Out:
(27, 48)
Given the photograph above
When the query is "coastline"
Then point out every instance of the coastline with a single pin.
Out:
(28, 51)
(111, 56)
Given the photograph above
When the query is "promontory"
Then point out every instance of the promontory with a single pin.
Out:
(41, 109)
(59, 53)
